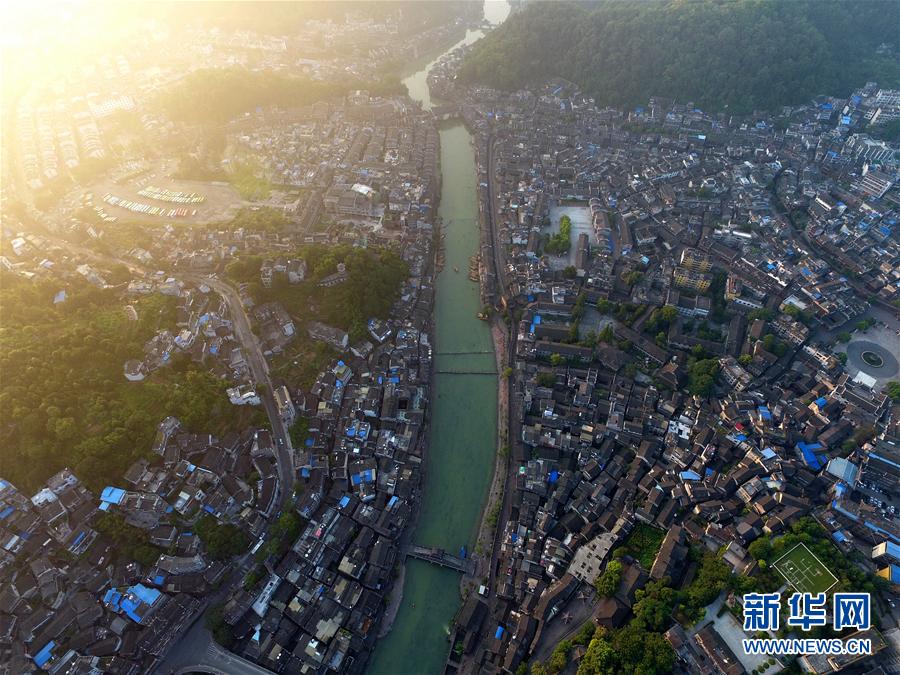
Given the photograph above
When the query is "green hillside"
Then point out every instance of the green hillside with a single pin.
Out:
(64, 400)
(744, 54)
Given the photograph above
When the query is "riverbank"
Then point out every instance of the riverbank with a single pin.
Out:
(493, 506)
(390, 613)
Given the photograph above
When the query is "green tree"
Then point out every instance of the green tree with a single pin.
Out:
(299, 432)
(215, 623)
(654, 604)
(607, 334)
(560, 657)
(546, 378)
(892, 389)
(608, 583)
(604, 306)
(222, 541)
(702, 376)
(599, 657)
(631, 278)
(130, 543)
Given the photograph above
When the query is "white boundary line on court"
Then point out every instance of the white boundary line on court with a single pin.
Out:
(830, 573)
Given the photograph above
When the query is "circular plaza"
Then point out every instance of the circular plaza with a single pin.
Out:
(873, 359)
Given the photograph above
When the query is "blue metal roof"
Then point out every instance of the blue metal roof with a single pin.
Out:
(895, 574)
(883, 459)
(43, 656)
(815, 462)
(138, 595)
(112, 495)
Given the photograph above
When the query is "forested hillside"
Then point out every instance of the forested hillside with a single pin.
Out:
(64, 400)
(743, 54)
(213, 96)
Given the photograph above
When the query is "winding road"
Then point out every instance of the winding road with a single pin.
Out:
(259, 369)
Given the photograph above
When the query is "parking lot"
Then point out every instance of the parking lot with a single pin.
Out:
(219, 200)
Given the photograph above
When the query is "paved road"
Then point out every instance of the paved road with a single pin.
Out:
(496, 244)
(259, 369)
(196, 652)
(512, 403)
(565, 625)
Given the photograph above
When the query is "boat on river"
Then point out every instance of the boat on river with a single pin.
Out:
(474, 263)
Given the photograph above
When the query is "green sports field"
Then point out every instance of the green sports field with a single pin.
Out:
(803, 571)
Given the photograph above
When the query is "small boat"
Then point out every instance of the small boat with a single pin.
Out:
(463, 553)
(455, 269)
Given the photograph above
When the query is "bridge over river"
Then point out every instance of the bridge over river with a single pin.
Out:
(438, 556)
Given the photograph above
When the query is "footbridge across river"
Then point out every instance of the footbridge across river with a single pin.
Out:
(438, 556)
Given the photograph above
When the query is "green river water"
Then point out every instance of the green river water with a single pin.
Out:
(464, 415)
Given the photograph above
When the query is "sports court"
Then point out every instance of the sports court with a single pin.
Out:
(804, 571)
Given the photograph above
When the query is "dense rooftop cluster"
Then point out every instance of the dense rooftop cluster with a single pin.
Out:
(702, 321)
(689, 363)
(312, 562)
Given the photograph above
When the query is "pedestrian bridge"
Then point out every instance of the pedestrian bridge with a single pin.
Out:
(438, 556)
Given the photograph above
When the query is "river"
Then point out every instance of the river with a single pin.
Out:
(463, 413)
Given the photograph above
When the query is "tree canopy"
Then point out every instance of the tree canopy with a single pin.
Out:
(631, 650)
(743, 54)
(702, 376)
(608, 583)
(562, 241)
(222, 541)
